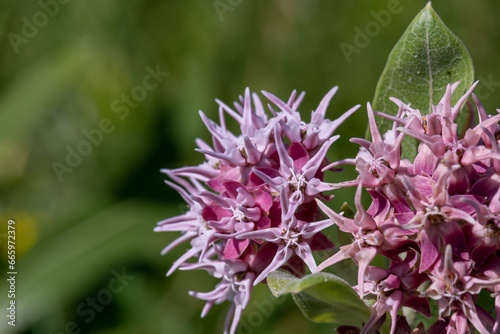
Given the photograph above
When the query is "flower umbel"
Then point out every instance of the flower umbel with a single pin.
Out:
(434, 219)
(251, 207)
(440, 210)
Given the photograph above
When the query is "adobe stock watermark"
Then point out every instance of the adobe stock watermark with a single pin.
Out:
(363, 37)
(121, 107)
(92, 305)
(486, 87)
(222, 6)
(31, 26)
(264, 309)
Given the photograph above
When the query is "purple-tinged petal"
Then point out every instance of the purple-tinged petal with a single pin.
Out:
(474, 285)
(232, 156)
(345, 224)
(252, 153)
(263, 223)
(234, 313)
(395, 119)
(271, 235)
(349, 161)
(259, 108)
(456, 109)
(429, 251)
(286, 162)
(304, 251)
(439, 327)
(318, 116)
(230, 111)
(234, 248)
(252, 213)
(362, 142)
(299, 155)
(316, 186)
(264, 200)
(425, 161)
(435, 142)
(328, 127)
(275, 183)
(215, 213)
(232, 187)
(280, 104)
(184, 257)
(320, 242)
(247, 127)
(374, 322)
(375, 274)
(312, 166)
(419, 304)
(440, 188)
(364, 257)
(185, 196)
(393, 302)
(452, 235)
(245, 198)
(379, 205)
(295, 102)
(496, 326)
(472, 315)
(183, 238)
(282, 255)
(376, 137)
(457, 214)
(216, 183)
(335, 124)
(362, 218)
(342, 254)
(308, 230)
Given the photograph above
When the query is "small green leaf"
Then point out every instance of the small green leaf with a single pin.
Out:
(279, 282)
(425, 59)
(322, 297)
(347, 210)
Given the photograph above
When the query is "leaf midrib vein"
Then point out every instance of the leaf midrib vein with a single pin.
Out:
(429, 65)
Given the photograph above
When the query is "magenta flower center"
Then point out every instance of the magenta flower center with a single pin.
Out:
(369, 238)
(433, 215)
(297, 182)
(291, 237)
(377, 166)
(305, 128)
(238, 215)
(492, 229)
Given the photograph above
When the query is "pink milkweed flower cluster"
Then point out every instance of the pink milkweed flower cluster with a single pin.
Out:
(251, 203)
(436, 218)
(253, 207)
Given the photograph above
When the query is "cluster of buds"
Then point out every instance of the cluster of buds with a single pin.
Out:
(436, 218)
(253, 207)
(252, 204)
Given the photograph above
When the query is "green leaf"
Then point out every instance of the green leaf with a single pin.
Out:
(347, 210)
(322, 297)
(425, 59)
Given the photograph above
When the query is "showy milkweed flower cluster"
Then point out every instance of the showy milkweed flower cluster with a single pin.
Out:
(436, 218)
(253, 208)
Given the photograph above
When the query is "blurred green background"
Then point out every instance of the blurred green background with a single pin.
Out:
(65, 66)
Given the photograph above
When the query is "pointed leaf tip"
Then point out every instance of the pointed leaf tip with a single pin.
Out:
(322, 297)
(427, 57)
